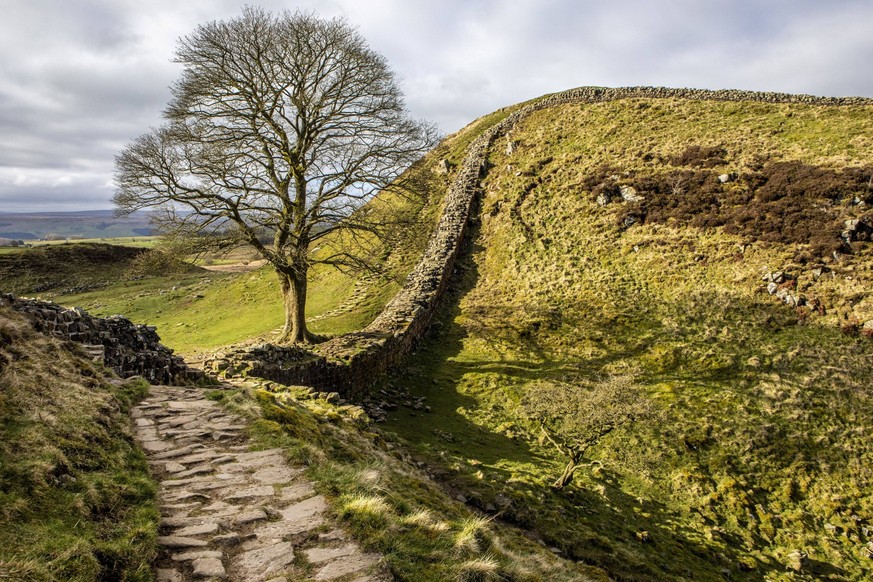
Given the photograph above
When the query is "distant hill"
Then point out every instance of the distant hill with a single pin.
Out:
(31, 226)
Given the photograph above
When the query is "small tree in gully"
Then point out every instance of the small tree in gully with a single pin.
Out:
(279, 130)
(575, 417)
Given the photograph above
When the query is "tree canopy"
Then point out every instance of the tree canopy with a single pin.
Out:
(281, 127)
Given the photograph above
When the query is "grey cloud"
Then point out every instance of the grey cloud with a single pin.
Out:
(81, 78)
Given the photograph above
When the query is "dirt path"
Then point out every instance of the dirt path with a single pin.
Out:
(232, 514)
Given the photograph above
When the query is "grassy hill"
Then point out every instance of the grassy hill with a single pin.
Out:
(713, 254)
(762, 447)
(31, 226)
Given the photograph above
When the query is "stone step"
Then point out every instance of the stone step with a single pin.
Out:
(229, 512)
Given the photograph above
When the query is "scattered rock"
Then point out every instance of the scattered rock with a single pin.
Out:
(777, 277)
(817, 272)
(629, 194)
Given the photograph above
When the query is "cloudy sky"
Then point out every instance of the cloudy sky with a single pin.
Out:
(80, 78)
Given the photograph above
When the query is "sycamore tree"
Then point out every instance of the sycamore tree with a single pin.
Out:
(280, 129)
(574, 417)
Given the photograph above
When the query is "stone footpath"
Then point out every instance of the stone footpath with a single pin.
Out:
(232, 514)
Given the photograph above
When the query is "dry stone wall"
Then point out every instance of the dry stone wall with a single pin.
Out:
(129, 349)
(349, 363)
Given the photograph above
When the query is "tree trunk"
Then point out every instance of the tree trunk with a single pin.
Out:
(294, 294)
(567, 476)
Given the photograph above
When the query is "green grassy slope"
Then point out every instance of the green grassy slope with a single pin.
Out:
(76, 501)
(763, 448)
(198, 311)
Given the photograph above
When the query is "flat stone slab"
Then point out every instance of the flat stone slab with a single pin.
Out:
(319, 555)
(201, 457)
(173, 467)
(275, 475)
(302, 517)
(201, 470)
(346, 565)
(249, 492)
(181, 520)
(188, 556)
(179, 421)
(176, 452)
(183, 496)
(208, 568)
(197, 530)
(305, 509)
(155, 446)
(180, 542)
(189, 404)
(297, 492)
(250, 517)
(261, 564)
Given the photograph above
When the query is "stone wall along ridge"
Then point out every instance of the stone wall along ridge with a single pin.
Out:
(349, 363)
(129, 349)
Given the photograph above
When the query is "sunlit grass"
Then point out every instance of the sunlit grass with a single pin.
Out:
(76, 501)
(765, 408)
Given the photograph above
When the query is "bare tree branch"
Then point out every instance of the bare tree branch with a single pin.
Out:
(282, 124)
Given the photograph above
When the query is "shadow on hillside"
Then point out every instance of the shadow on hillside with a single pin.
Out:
(598, 520)
(594, 521)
